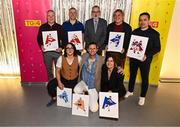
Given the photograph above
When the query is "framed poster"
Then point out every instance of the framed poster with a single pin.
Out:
(64, 97)
(108, 105)
(137, 47)
(116, 40)
(50, 40)
(80, 105)
(75, 37)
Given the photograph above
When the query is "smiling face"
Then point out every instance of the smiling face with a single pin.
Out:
(92, 49)
(144, 21)
(118, 17)
(51, 17)
(96, 12)
(72, 14)
(110, 63)
(69, 50)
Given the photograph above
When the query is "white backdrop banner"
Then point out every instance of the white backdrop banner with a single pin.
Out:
(84, 7)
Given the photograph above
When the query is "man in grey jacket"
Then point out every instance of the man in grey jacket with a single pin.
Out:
(95, 30)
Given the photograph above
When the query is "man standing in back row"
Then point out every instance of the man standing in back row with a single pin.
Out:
(73, 25)
(51, 56)
(153, 47)
(95, 30)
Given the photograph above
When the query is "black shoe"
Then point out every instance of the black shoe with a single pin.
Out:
(51, 102)
(121, 98)
(86, 93)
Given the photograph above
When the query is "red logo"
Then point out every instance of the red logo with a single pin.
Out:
(154, 24)
(49, 39)
(75, 39)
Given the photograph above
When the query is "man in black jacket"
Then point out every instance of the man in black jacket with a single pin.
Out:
(50, 56)
(153, 47)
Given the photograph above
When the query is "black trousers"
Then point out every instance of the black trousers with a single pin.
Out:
(49, 58)
(52, 85)
(144, 70)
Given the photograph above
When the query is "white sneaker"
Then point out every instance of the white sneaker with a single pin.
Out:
(141, 101)
(128, 94)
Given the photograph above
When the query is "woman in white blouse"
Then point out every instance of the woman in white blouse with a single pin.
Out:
(67, 69)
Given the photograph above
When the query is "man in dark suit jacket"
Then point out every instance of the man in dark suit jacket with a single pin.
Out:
(95, 30)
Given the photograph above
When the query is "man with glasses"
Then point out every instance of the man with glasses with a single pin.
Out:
(95, 30)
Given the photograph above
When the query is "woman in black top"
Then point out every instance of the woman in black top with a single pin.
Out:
(111, 80)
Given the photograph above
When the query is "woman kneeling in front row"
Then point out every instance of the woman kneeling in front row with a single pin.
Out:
(111, 80)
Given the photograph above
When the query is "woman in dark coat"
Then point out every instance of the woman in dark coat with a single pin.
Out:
(111, 80)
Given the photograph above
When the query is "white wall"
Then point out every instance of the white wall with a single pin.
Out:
(171, 62)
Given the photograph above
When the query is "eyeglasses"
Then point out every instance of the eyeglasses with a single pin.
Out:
(95, 11)
(69, 48)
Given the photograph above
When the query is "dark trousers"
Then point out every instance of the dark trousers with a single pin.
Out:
(52, 85)
(78, 52)
(144, 70)
(49, 58)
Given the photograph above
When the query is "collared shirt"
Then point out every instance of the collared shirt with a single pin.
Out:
(77, 26)
(88, 73)
(95, 24)
(95, 20)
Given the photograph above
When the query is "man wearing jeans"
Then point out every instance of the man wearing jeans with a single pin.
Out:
(90, 73)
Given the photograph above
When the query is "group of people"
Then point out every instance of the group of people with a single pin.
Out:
(90, 73)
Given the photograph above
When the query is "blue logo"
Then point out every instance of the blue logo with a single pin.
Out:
(108, 102)
(64, 96)
(116, 40)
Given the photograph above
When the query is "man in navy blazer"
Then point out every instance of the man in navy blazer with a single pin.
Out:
(95, 30)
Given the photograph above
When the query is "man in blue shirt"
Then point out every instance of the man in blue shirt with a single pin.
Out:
(72, 25)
